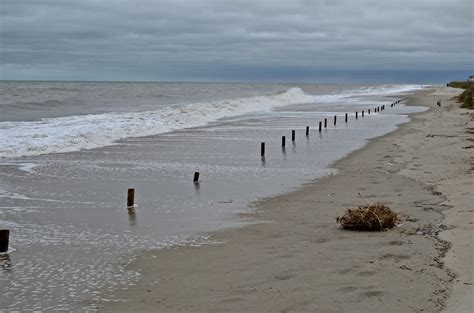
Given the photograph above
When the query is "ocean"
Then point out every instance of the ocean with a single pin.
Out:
(70, 150)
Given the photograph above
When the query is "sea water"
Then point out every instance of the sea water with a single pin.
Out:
(70, 150)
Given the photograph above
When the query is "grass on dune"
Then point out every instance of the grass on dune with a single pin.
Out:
(466, 97)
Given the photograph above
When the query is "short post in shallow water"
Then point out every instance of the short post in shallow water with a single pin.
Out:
(325, 122)
(368, 112)
(307, 131)
(283, 141)
(345, 119)
(362, 113)
(320, 126)
(357, 115)
(335, 118)
(4, 239)
(293, 135)
(262, 149)
(130, 197)
(196, 177)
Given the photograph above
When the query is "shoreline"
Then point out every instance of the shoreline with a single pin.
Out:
(295, 261)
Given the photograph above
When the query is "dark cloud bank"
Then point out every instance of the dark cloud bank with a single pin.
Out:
(255, 40)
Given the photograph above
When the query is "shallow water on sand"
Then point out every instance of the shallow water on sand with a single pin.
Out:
(72, 233)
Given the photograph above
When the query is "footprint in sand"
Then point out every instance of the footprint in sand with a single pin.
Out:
(367, 273)
(285, 276)
(396, 257)
(374, 293)
(347, 289)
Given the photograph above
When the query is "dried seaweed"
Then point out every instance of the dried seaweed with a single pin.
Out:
(372, 217)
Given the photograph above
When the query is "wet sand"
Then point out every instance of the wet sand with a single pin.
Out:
(300, 260)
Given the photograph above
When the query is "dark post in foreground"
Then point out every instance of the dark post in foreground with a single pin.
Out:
(307, 131)
(325, 122)
(293, 135)
(345, 119)
(320, 126)
(262, 149)
(362, 113)
(357, 115)
(368, 112)
(335, 117)
(283, 141)
(4, 238)
(131, 197)
(196, 177)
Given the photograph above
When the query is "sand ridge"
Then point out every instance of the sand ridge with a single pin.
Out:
(302, 261)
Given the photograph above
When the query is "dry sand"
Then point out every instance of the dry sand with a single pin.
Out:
(300, 260)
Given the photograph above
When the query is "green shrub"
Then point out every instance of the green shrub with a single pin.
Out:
(466, 97)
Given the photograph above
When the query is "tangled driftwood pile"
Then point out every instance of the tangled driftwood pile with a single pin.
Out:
(375, 217)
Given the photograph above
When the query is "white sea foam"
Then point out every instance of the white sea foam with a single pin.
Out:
(73, 133)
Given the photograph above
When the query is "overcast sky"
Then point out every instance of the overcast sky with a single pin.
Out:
(244, 40)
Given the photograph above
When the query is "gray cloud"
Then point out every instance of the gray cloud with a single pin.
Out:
(187, 39)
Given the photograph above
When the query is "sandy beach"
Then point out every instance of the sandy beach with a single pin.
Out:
(299, 260)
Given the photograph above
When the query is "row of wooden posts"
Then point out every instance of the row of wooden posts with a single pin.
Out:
(5, 233)
(293, 132)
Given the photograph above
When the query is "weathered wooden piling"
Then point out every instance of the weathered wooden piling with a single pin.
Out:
(325, 122)
(357, 115)
(283, 141)
(130, 197)
(262, 149)
(4, 240)
(335, 118)
(196, 177)
(320, 126)
(362, 113)
(293, 135)
(345, 119)
(368, 111)
(307, 131)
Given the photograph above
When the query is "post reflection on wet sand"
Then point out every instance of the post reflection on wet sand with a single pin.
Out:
(6, 263)
(132, 217)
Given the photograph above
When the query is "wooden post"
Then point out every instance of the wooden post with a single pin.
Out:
(362, 113)
(293, 135)
(357, 115)
(283, 141)
(4, 239)
(320, 126)
(345, 119)
(335, 117)
(131, 197)
(368, 111)
(325, 122)
(307, 131)
(196, 177)
(262, 149)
